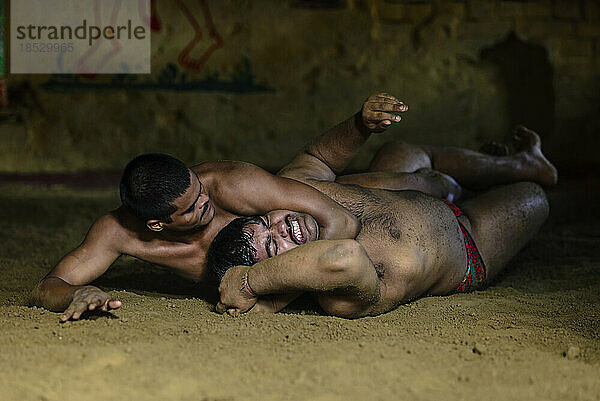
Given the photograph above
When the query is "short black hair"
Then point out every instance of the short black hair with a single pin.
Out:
(232, 246)
(151, 182)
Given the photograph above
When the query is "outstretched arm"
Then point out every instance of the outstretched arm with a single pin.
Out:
(339, 272)
(336, 147)
(65, 289)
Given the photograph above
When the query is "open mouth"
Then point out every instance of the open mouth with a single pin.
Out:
(295, 231)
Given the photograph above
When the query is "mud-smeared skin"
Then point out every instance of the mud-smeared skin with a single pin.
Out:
(416, 242)
(166, 343)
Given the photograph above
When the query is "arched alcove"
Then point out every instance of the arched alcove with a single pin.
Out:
(527, 76)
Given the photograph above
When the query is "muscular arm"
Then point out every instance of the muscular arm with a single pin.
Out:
(338, 272)
(339, 145)
(65, 286)
(246, 189)
(336, 147)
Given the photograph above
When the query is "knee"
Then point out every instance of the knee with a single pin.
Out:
(537, 197)
(400, 157)
(543, 199)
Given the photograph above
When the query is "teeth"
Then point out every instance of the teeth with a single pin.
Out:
(296, 230)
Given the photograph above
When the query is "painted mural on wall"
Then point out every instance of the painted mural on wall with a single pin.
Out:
(177, 75)
(171, 78)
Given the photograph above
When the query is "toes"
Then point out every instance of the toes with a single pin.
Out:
(525, 139)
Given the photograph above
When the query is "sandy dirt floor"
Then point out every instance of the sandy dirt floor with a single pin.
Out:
(533, 335)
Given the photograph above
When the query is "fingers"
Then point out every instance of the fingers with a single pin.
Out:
(379, 116)
(74, 311)
(114, 304)
(66, 315)
(109, 304)
(397, 106)
(381, 110)
(77, 308)
(385, 101)
(220, 308)
(386, 123)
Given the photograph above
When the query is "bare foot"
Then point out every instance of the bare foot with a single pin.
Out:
(529, 146)
(494, 149)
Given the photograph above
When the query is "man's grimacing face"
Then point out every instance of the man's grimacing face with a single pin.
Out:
(194, 208)
(280, 231)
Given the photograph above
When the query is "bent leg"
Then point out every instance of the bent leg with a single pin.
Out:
(400, 157)
(503, 220)
(470, 168)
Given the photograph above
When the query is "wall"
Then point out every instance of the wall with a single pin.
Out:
(267, 75)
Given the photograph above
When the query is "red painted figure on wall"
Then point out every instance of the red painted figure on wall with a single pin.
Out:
(185, 59)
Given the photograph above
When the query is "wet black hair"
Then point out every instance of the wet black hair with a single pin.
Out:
(150, 183)
(232, 246)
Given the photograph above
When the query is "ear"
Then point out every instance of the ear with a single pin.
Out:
(155, 225)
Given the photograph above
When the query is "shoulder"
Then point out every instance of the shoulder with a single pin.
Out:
(223, 167)
(109, 223)
(225, 172)
(114, 229)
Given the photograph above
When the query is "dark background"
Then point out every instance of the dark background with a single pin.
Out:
(268, 75)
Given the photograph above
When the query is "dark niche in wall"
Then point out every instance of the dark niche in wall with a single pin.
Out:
(527, 75)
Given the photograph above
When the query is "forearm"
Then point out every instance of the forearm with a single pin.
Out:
(54, 293)
(319, 266)
(274, 303)
(336, 147)
(339, 145)
(340, 269)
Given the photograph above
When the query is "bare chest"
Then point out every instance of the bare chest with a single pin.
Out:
(412, 248)
(186, 257)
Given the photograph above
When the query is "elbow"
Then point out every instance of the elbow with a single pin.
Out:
(39, 293)
(35, 295)
(44, 294)
(342, 264)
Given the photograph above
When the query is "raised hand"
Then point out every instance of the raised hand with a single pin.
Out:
(235, 294)
(89, 298)
(380, 110)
